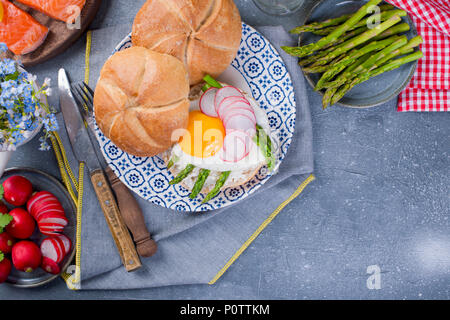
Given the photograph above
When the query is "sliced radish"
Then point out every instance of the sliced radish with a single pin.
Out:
(50, 250)
(67, 243)
(58, 212)
(229, 101)
(206, 102)
(242, 123)
(50, 229)
(232, 111)
(37, 207)
(234, 148)
(225, 92)
(50, 266)
(53, 218)
(37, 197)
(59, 246)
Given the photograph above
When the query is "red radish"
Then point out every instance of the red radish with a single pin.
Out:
(242, 123)
(234, 148)
(67, 243)
(51, 229)
(17, 190)
(50, 266)
(229, 101)
(53, 248)
(57, 212)
(225, 92)
(206, 102)
(44, 204)
(53, 217)
(59, 246)
(37, 196)
(6, 242)
(3, 208)
(22, 226)
(5, 269)
(232, 111)
(26, 256)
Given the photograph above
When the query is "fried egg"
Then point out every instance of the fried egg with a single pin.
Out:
(201, 145)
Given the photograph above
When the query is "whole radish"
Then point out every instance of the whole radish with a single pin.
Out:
(22, 226)
(3, 208)
(50, 266)
(5, 269)
(6, 242)
(17, 190)
(26, 256)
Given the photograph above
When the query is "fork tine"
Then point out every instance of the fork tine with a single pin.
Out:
(85, 88)
(83, 96)
(88, 88)
(80, 103)
(79, 89)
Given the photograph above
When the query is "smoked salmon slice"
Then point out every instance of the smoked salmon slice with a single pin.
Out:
(21, 33)
(64, 10)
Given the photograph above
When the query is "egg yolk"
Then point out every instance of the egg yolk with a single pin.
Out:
(204, 135)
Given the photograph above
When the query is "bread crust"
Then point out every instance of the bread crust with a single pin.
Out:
(204, 34)
(141, 98)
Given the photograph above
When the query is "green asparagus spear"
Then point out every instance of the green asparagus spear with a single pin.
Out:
(202, 176)
(402, 27)
(327, 97)
(206, 87)
(329, 48)
(396, 29)
(334, 68)
(394, 64)
(219, 184)
(211, 81)
(329, 93)
(355, 54)
(320, 25)
(407, 48)
(265, 144)
(354, 19)
(366, 36)
(368, 64)
(172, 161)
(376, 17)
(183, 174)
(347, 36)
(331, 22)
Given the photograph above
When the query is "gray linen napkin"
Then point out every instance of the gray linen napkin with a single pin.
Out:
(193, 247)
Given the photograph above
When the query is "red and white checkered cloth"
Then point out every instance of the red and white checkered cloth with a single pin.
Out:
(429, 89)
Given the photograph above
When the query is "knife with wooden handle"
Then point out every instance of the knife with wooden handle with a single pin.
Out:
(133, 217)
(128, 206)
(84, 152)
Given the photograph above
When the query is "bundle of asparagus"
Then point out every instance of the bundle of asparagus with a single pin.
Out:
(352, 51)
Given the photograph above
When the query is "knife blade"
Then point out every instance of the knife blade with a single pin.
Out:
(84, 152)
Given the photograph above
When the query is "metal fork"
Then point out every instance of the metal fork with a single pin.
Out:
(84, 96)
(129, 207)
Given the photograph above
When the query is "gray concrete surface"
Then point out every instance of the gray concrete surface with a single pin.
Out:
(381, 198)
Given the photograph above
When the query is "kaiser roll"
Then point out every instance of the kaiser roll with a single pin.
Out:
(140, 99)
(204, 34)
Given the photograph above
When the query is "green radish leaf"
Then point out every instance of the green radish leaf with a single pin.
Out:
(2, 191)
(5, 219)
(2, 256)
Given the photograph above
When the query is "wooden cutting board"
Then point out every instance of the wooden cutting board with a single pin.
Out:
(60, 37)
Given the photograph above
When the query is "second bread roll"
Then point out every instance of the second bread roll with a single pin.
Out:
(204, 34)
(141, 98)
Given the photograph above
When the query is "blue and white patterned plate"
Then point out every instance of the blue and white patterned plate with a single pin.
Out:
(257, 69)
